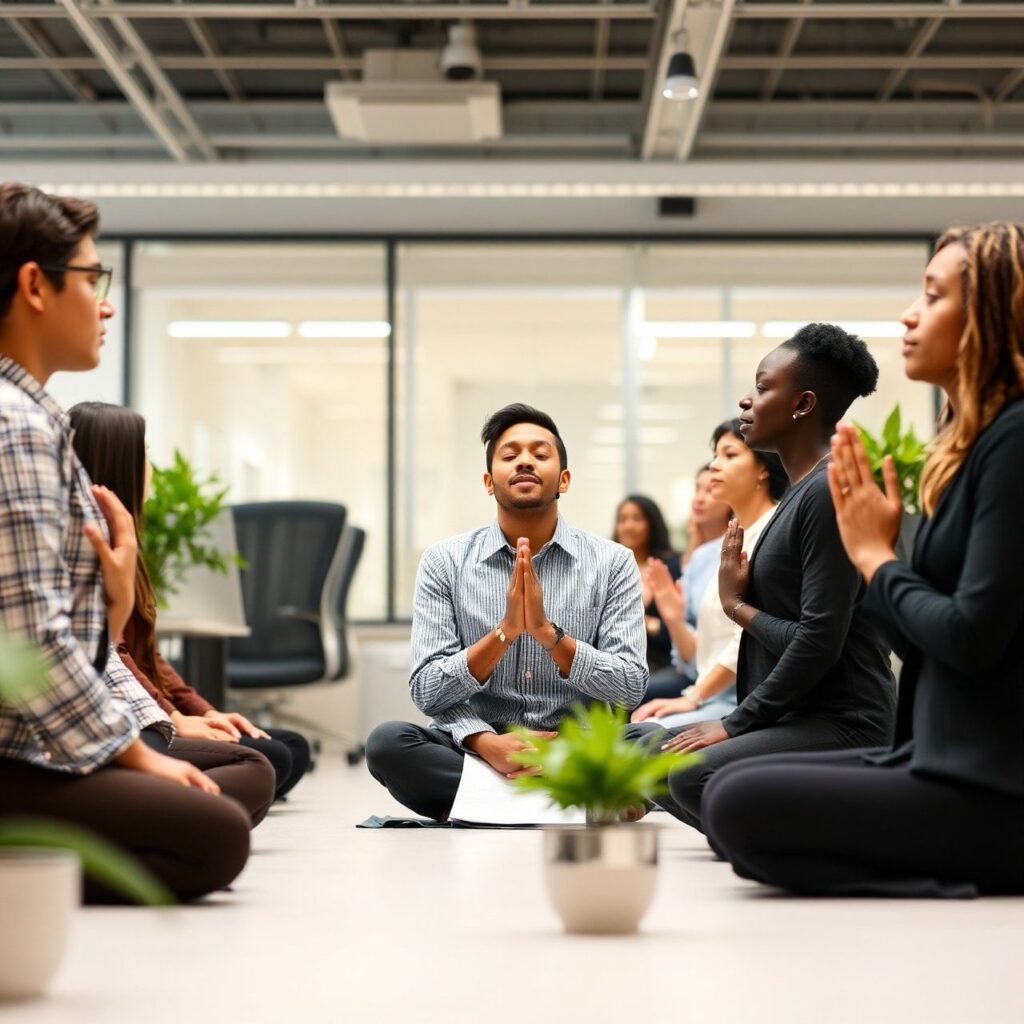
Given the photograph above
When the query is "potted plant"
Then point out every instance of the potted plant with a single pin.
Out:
(600, 876)
(178, 513)
(908, 453)
(41, 862)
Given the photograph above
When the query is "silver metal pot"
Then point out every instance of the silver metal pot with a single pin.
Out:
(601, 878)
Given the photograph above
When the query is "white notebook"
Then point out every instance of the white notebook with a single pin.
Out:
(486, 797)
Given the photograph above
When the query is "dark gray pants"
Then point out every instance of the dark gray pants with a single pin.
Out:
(792, 733)
(420, 767)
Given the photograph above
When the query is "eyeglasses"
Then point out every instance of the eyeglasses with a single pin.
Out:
(103, 275)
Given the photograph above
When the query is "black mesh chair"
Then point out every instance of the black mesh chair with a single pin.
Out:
(300, 560)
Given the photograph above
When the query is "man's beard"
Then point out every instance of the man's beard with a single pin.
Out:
(511, 503)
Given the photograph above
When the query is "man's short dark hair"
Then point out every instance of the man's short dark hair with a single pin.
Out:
(35, 226)
(500, 421)
(835, 365)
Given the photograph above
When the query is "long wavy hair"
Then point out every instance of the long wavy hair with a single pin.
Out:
(991, 351)
(111, 442)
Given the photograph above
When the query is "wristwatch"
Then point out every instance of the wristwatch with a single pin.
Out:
(559, 636)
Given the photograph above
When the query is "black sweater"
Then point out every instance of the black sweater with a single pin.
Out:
(956, 618)
(810, 649)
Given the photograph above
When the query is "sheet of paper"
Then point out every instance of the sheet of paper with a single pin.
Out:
(486, 797)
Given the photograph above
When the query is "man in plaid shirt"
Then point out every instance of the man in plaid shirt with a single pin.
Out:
(67, 572)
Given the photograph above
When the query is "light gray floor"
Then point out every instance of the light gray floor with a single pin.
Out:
(331, 923)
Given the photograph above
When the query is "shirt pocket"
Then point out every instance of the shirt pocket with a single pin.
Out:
(581, 624)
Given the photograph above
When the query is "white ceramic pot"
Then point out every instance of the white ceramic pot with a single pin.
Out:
(39, 893)
(601, 878)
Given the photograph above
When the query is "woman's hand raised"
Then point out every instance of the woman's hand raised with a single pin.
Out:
(869, 521)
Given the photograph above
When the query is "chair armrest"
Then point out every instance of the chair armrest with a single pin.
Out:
(291, 611)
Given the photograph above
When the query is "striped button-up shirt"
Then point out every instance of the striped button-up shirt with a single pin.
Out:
(591, 590)
(51, 593)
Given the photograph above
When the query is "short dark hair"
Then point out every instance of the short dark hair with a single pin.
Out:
(509, 416)
(35, 226)
(658, 543)
(835, 365)
(778, 482)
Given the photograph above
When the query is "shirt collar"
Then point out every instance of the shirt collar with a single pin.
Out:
(17, 375)
(564, 536)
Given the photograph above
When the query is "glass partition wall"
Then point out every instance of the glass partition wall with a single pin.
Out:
(276, 366)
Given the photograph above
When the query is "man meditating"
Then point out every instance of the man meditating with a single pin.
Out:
(513, 623)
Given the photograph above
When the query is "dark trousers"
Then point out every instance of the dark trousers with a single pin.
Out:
(242, 774)
(420, 767)
(193, 842)
(792, 733)
(834, 824)
(288, 753)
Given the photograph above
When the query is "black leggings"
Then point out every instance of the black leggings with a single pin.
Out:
(835, 824)
(288, 753)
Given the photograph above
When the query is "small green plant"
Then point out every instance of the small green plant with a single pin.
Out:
(908, 453)
(24, 675)
(591, 764)
(178, 514)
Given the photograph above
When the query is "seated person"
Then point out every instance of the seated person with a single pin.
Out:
(513, 623)
(705, 529)
(751, 484)
(111, 442)
(942, 812)
(72, 751)
(640, 526)
(813, 670)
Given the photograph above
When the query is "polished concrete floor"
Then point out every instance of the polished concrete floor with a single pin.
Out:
(331, 923)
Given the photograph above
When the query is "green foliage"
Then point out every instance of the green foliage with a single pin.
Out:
(908, 453)
(178, 514)
(102, 861)
(23, 670)
(591, 764)
(24, 674)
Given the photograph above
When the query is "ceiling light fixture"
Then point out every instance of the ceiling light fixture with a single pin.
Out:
(344, 329)
(681, 76)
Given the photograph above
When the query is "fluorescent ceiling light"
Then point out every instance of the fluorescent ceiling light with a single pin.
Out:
(229, 329)
(698, 328)
(862, 328)
(344, 329)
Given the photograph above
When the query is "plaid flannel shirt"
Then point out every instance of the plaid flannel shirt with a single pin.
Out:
(51, 593)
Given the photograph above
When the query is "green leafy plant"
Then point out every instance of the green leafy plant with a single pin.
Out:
(178, 514)
(591, 764)
(908, 453)
(24, 675)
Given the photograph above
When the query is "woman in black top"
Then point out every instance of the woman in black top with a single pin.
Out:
(640, 526)
(943, 812)
(813, 673)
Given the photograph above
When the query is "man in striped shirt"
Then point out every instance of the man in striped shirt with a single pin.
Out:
(513, 623)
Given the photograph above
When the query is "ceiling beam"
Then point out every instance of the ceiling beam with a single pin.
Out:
(786, 47)
(602, 34)
(873, 62)
(36, 39)
(1008, 85)
(353, 12)
(654, 114)
(204, 39)
(921, 39)
(100, 45)
(888, 11)
(781, 142)
(819, 108)
(707, 73)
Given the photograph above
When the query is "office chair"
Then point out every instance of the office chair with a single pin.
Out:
(300, 560)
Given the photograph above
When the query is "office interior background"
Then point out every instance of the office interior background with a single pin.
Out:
(342, 233)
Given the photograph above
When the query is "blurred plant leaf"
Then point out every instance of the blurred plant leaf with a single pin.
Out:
(908, 453)
(101, 861)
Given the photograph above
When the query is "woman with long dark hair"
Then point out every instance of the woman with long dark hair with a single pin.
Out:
(640, 526)
(111, 442)
(751, 484)
(942, 813)
(813, 671)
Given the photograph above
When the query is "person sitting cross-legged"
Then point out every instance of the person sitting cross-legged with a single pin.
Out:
(513, 623)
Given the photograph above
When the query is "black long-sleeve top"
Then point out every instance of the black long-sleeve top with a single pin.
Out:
(956, 618)
(810, 648)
